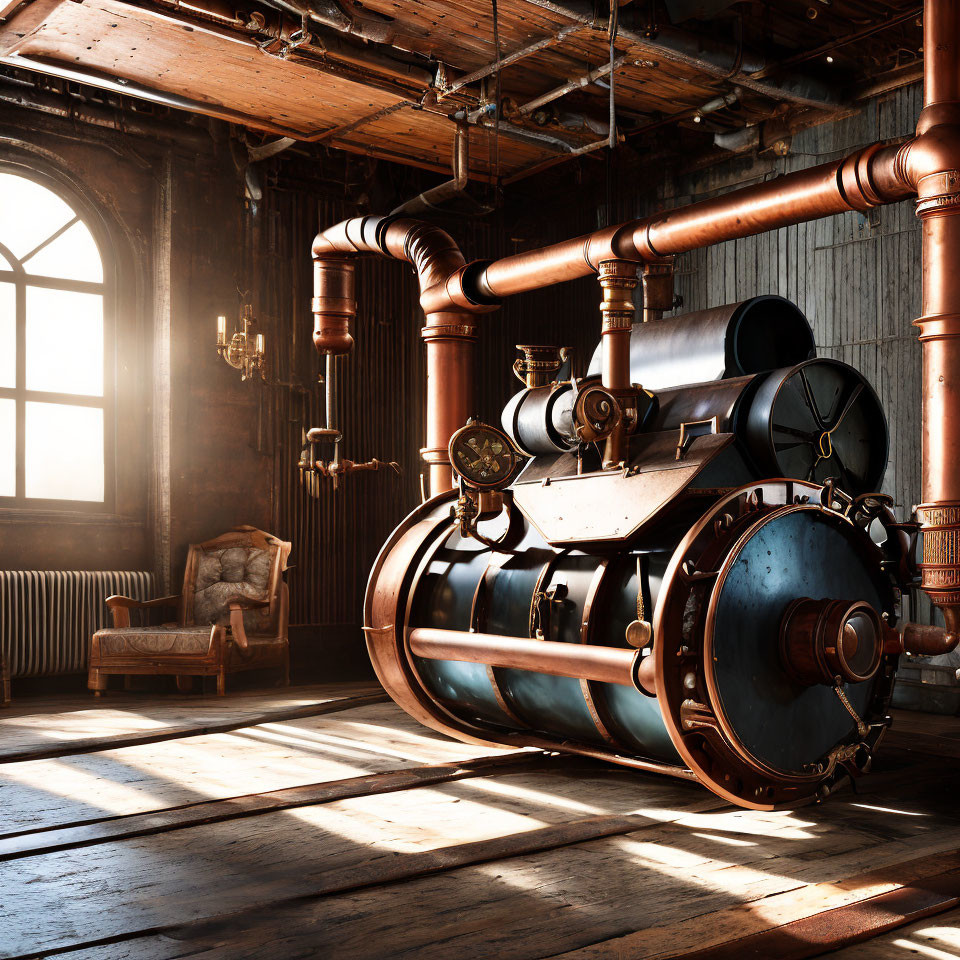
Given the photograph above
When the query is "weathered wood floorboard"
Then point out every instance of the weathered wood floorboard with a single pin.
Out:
(935, 938)
(32, 843)
(91, 787)
(60, 735)
(564, 858)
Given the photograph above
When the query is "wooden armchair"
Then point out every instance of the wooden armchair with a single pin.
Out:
(232, 615)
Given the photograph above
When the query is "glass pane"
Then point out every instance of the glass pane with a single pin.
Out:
(5, 264)
(8, 335)
(63, 457)
(73, 256)
(8, 448)
(29, 213)
(64, 341)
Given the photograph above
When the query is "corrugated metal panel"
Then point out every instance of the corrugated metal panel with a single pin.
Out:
(48, 616)
(336, 538)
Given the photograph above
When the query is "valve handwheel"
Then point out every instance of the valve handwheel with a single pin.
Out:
(483, 456)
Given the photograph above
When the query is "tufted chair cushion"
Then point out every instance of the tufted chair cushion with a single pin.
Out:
(226, 573)
(169, 639)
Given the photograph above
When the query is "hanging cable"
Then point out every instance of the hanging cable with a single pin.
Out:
(613, 26)
(496, 76)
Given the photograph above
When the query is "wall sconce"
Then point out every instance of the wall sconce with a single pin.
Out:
(244, 351)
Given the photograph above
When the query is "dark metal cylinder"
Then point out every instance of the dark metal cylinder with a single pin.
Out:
(540, 419)
(758, 334)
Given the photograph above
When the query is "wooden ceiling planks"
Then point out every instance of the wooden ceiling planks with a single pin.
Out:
(428, 138)
(224, 72)
(204, 65)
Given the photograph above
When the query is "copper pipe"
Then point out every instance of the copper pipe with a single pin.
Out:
(618, 280)
(450, 333)
(582, 661)
(923, 640)
(867, 178)
(657, 289)
(931, 162)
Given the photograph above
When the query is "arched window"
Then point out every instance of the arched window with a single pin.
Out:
(55, 383)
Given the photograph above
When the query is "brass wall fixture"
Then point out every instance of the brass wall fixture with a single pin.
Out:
(320, 457)
(244, 350)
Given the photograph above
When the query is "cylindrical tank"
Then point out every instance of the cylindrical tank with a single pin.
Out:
(727, 706)
(762, 333)
(688, 624)
(812, 421)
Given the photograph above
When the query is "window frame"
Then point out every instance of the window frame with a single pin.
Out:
(107, 289)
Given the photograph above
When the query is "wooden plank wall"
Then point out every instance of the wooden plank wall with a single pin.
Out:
(856, 276)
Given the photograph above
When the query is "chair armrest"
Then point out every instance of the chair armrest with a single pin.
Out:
(237, 606)
(120, 607)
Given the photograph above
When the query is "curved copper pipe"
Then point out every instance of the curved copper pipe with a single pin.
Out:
(449, 333)
(923, 640)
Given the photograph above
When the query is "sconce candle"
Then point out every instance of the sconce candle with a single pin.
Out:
(244, 350)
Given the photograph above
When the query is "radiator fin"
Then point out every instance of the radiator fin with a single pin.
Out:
(48, 616)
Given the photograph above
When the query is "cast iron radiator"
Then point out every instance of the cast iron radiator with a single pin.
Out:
(48, 616)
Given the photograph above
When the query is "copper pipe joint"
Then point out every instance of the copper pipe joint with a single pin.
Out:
(939, 578)
(657, 283)
(823, 640)
(334, 306)
(581, 661)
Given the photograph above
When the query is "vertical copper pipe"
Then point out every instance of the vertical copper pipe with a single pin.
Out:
(932, 162)
(618, 280)
(451, 345)
(450, 334)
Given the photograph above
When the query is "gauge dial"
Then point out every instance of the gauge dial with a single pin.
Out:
(483, 456)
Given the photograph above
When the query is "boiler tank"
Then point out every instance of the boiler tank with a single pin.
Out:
(717, 608)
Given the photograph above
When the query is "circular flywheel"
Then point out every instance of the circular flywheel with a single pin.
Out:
(756, 697)
(817, 420)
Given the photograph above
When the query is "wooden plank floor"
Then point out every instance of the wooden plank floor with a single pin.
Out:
(353, 832)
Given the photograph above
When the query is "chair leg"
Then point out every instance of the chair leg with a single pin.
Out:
(222, 682)
(97, 682)
(184, 683)
(286, 666)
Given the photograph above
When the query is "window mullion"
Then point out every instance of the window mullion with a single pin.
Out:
(21, 381)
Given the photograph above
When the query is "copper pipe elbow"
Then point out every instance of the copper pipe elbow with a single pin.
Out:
(922, 640)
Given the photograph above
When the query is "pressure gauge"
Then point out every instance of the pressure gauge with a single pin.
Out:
(483, 456)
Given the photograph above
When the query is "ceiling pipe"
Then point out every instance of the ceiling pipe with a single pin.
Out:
(121, 121)
(521, 53)
(429, 200)
(709, 56)
(577, 84)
